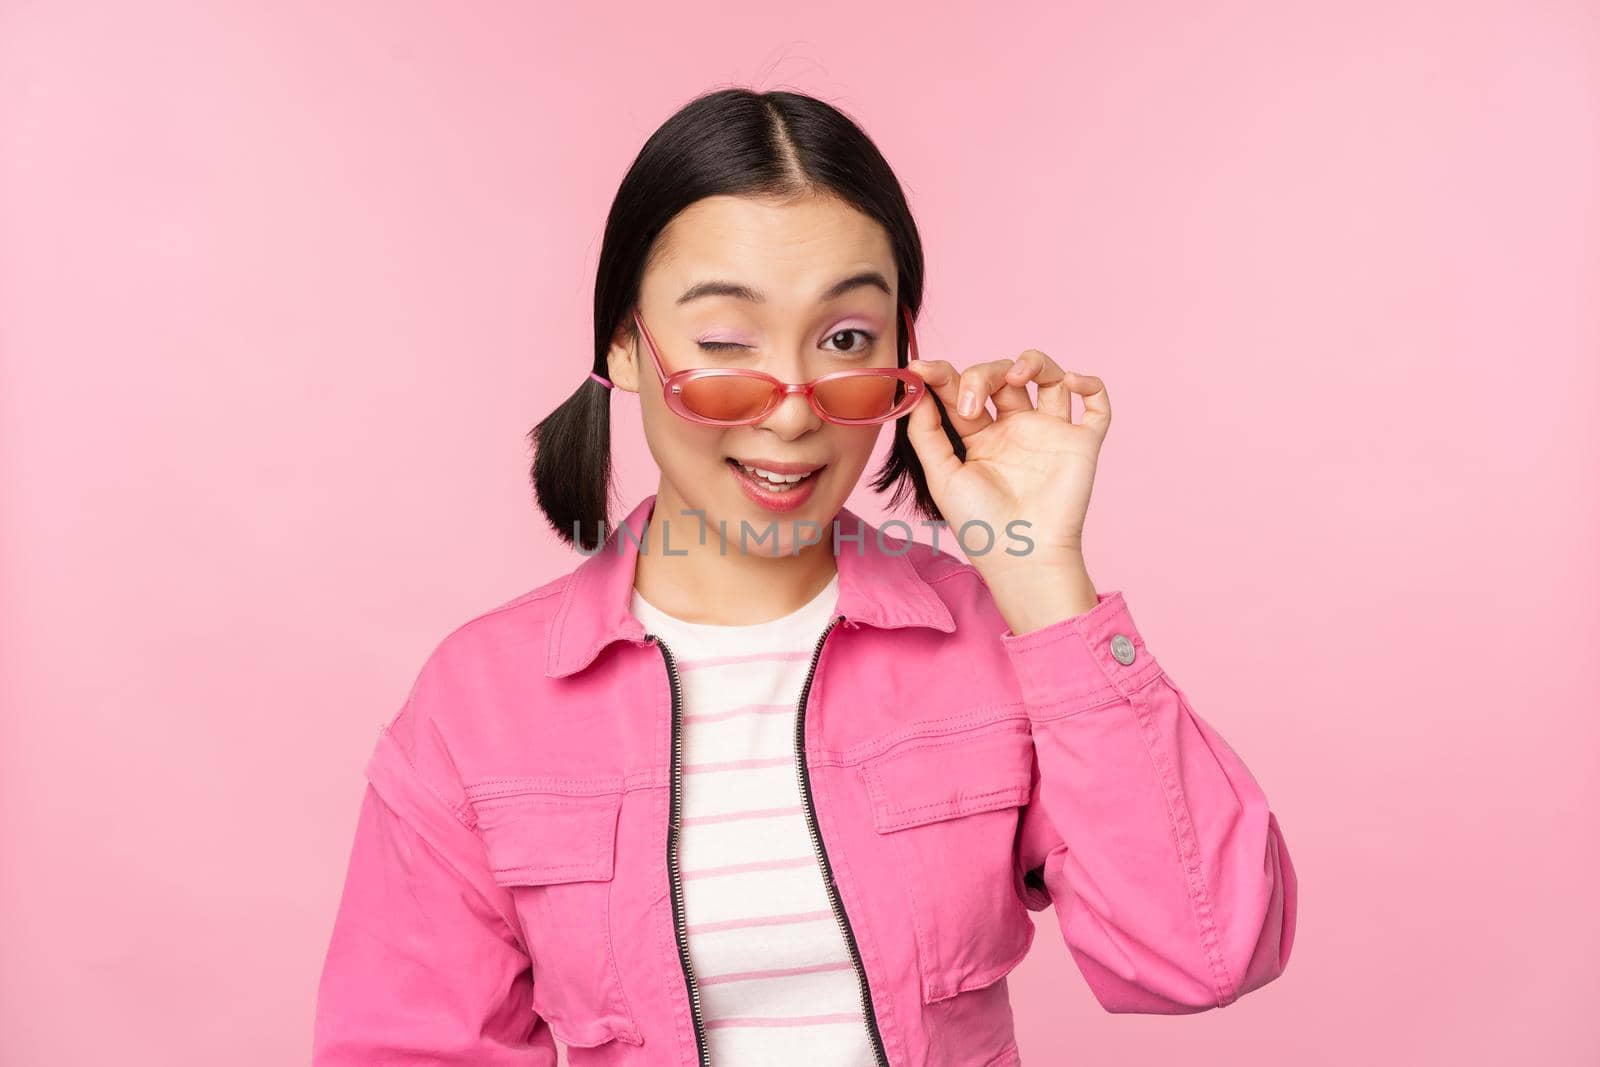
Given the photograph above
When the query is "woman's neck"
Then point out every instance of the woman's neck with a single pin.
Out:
(719, 582)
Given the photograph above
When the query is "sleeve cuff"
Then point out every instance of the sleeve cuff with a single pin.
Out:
(1082, 661)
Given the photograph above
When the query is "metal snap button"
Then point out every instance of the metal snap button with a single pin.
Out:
(1122, 649)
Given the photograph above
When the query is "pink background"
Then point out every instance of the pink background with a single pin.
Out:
(282, 287)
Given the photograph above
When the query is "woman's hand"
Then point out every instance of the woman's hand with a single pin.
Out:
(1025, 462)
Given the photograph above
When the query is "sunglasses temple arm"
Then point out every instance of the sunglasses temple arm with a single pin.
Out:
(911, 334)
(650, 343)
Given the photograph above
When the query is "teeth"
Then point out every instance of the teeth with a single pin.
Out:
(774, 477)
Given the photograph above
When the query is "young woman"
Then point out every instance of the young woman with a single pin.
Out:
(758, 782)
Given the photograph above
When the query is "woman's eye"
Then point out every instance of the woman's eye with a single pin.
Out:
(866, 342)
(841, 336)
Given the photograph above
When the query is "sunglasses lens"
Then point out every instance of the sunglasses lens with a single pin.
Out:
(732, 398)
(865, 396)
(727, 398)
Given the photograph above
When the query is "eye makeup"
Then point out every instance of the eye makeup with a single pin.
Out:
(865, 323)
(724, 338)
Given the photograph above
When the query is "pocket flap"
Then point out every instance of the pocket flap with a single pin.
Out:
(542, 838)
(959, 774)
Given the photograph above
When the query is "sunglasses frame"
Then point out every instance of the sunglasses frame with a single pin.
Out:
(672, 384)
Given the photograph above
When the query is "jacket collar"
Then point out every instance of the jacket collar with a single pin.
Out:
(875, 587)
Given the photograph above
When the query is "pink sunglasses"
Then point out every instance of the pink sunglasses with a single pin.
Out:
(730, 396)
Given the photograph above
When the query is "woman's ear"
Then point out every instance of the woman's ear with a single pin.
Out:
(621, 361)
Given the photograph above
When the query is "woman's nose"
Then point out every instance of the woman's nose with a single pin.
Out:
(793, 417)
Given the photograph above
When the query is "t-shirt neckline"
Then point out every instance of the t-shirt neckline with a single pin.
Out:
(818, 608)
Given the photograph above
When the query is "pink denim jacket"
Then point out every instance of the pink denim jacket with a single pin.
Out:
(513, 879)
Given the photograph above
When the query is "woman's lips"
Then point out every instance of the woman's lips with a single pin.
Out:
(763, 493)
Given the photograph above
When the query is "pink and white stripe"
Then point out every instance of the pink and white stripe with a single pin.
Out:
(776, 981)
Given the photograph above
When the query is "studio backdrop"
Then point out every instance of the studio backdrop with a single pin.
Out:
(284, 286)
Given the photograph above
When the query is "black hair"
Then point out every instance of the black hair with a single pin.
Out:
(731, 142)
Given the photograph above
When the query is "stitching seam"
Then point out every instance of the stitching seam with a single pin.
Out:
(1188, 847)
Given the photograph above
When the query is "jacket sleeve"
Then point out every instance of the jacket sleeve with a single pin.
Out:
(425, 964)
(1170, 878)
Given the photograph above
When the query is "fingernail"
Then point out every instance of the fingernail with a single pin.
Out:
(967, 404)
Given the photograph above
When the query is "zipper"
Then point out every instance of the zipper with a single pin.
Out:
(674, 831)
(878, 1052)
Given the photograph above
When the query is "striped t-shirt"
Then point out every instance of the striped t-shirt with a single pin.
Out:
(776, 982)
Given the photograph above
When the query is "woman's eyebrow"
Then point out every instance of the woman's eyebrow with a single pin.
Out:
(744, 292)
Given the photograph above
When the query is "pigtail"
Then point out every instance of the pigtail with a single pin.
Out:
(571, 469)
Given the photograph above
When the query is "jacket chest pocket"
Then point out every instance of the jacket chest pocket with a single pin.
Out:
(949, 806)
(555, 853)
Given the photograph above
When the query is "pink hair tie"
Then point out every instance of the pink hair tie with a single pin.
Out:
(599, 379)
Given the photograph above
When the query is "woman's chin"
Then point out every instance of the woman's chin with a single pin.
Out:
(765, 532)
